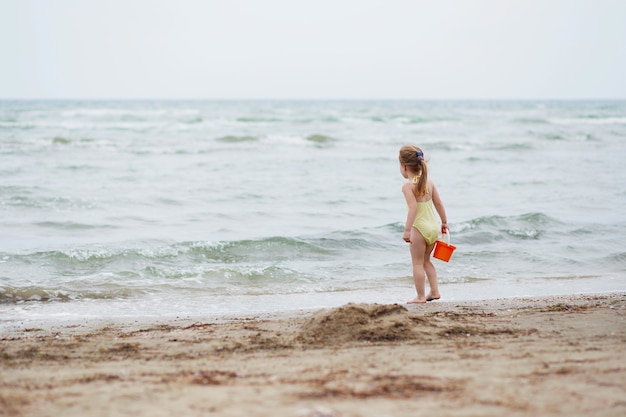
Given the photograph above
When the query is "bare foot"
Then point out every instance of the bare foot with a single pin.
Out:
(431, 297)
(417, 300)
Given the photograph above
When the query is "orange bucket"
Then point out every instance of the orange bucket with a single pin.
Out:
(443, 250)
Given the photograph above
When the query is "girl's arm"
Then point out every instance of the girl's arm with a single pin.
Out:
(441, 210)
(411, 202)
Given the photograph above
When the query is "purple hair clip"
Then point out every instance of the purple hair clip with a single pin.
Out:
(420, 156)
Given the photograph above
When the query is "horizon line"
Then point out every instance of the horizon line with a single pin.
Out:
(303, 99)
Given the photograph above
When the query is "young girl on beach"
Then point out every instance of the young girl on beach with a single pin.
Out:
(421, 229)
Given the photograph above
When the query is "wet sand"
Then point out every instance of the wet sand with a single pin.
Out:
(514, 357)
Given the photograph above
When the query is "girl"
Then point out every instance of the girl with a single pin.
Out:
(421, 229)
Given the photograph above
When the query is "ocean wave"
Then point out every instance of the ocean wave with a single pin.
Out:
(317, 139)
(191, 121)
(220, 282)
(116, 113)
(274, 249)
(532, 121)
(487, 229)
(116, 125)
(13, 294)
(264, 258)
(320, 139)
(590, 120)
(61, 140)
(617, 258)
(553, 136)
(17, 126)
(519, 146)
(425, 120)
(68, 225)
(25, 199)
(7, 119)
(225, 280)
(258, 120)
(237, 139)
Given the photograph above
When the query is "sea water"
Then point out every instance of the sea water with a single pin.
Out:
(160, 209)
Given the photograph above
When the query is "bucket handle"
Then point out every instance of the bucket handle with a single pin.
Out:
(443, 237)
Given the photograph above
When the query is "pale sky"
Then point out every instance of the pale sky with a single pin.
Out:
(313, 49)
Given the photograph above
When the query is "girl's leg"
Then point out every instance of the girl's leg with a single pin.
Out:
(418, 248)
(431, 273)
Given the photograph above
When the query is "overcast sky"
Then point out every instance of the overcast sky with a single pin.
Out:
(313, 49)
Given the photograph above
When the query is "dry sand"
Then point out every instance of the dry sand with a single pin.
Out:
(522, 357)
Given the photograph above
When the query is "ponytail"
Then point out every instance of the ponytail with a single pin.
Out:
(413, 158)
(421, 187)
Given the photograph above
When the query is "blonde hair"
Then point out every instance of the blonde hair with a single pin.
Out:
(413, 158)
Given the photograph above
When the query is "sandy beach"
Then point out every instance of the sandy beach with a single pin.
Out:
(515, 357)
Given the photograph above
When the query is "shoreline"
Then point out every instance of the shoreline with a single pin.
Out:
(54, 321)
(556, 355)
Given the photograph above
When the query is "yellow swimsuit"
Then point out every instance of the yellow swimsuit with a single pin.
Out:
(426, 222)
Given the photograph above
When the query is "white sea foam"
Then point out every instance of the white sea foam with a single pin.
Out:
(589, 121)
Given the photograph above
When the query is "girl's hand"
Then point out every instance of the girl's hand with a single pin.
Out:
(407, 236)
(444, 228)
